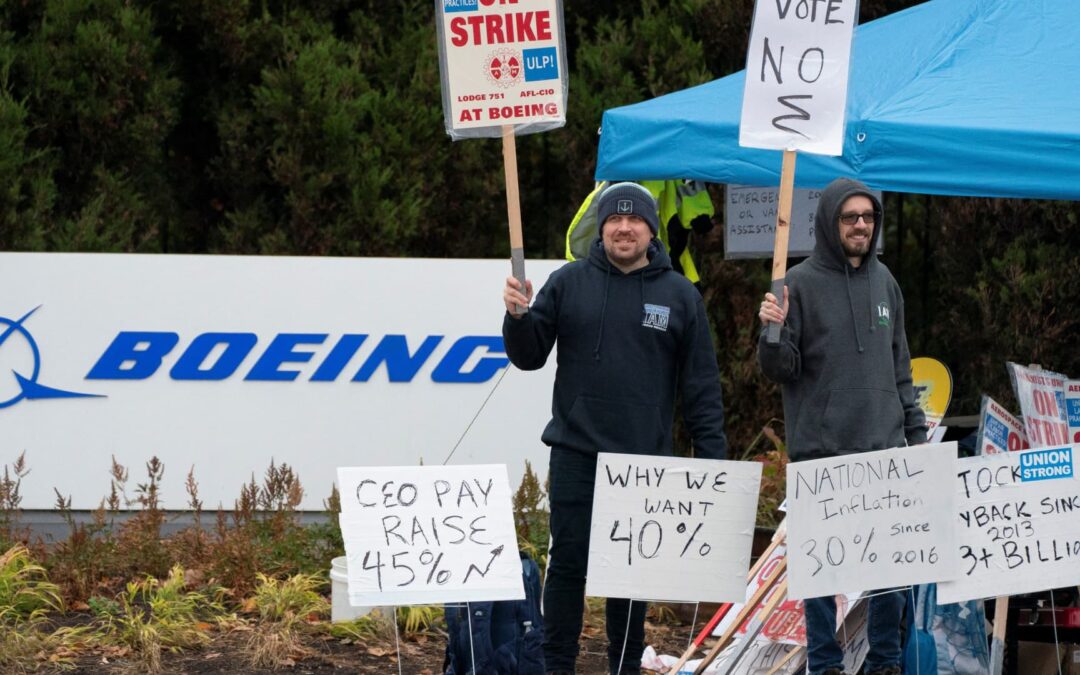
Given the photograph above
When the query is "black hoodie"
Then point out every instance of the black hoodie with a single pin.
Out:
(843, 356)
(627, 342)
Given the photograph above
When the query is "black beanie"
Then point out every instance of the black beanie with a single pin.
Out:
(632, 198)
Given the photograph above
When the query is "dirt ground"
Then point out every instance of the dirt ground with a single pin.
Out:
(420, 656)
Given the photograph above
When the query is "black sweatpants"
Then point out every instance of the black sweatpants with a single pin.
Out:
(572, 477)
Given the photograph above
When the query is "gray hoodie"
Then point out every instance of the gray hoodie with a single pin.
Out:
(843, 359)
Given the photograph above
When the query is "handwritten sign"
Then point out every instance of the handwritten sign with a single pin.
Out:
(797, 75)
(750, 221)
(1072, 409)
(871, 520)
(1041, 394)
(429, 534)
(1018, 526)
(670, 528)
(502, 63)
(999, 430)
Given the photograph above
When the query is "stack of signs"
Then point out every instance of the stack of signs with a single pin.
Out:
(503, 63)
(672, 528)
(429, 534)
(999, 430)
(871, 520)
(1041, 394)
(786, 624)
(1019, 531)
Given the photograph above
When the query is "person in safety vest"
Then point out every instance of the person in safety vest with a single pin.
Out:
(631, 334)
(683, 207)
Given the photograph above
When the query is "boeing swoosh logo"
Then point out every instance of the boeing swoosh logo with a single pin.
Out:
(27, 386)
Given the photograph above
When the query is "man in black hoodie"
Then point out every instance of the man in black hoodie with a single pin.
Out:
(845, 370)
(631, 333)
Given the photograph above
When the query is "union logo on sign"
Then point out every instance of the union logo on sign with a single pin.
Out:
(504, 68)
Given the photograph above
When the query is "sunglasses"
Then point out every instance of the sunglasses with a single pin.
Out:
(869, 217)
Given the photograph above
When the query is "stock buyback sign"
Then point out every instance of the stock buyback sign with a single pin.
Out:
(223, 364)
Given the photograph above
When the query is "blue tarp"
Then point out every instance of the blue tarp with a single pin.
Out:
(956, 97)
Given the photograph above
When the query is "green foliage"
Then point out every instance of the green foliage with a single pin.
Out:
(291, 600)
(152, 615)
(531, 517)
(26, 593)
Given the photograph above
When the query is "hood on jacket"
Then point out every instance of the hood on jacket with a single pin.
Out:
(827, 247)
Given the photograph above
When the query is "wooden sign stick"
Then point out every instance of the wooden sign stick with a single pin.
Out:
(780, 248)
(997, 644)
(790, 655)
(777, 539)
(513, 208)
(747, 610)
(757, 622)
(779, 596)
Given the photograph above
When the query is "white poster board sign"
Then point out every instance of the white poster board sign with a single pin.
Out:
(429, 534)
(502, 63)
(999, 430)
(750, 221)
(1018, 527)
(1041, 394)
(797, 76)
(871, 520)
(671, 528)
(1072, 409)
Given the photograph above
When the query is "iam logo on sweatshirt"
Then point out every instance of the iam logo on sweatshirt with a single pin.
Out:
(656, 316)
(883, 314)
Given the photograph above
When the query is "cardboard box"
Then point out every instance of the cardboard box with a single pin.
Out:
(1040, 658)
(1070, 664)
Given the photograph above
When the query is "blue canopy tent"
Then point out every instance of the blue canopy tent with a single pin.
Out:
(956, 97)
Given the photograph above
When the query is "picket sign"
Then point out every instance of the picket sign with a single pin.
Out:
(429, 534)
(872, 520)
(811, 48)
(1041, 394)
(503, 72)
(999, 430)
(1072, 409)
(671, 528)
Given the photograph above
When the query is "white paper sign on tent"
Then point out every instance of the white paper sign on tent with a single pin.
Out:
(1019, 530)
(429, 534)
(1072, 409)
(797, 76)
(672, 528)
(871, 520)
(1041, 394)
(999, 430)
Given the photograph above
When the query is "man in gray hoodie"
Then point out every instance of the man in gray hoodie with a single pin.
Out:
(845, 370)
